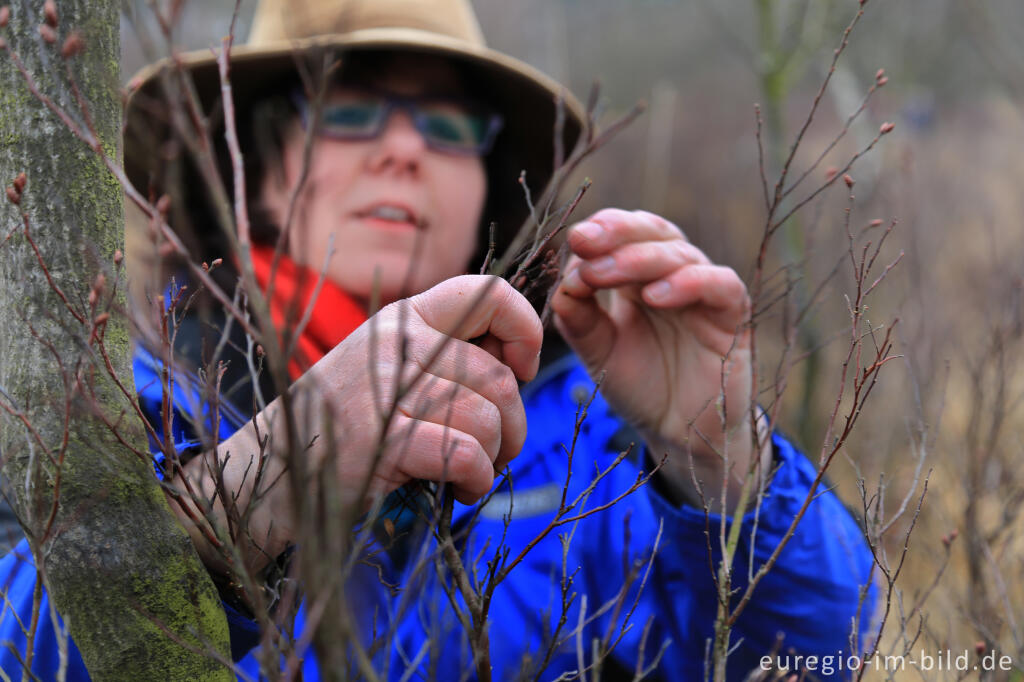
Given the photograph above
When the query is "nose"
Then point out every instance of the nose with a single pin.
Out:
(400, 147)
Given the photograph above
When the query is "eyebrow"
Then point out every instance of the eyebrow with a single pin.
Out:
(374, 75)
(448, 95)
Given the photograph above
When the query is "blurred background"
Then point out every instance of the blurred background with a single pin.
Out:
(950, 408)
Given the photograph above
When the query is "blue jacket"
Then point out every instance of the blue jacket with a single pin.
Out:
(810, 598)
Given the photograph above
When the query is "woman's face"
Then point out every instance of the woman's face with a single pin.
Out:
(389, 211)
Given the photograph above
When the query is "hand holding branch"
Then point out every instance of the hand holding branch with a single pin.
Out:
(669, 329)
(406, 396)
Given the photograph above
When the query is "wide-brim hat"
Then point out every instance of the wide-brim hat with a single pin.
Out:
(285, 31)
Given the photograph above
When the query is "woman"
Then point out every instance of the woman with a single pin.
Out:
(415, 145)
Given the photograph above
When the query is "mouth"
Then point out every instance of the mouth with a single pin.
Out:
(392, 215)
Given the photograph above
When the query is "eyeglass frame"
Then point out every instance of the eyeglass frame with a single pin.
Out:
(410, 105)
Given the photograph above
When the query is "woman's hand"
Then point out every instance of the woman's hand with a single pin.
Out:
(669, 328)
(458, 417)
(454, 406)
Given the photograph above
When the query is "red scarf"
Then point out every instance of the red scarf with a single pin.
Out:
(335, 315)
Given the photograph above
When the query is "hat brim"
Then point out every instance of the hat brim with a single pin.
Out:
(527, 99)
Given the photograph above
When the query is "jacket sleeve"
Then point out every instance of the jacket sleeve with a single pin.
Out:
(191, 417)
(811, 601)
(189, 411)
(817, 594)
(810, 598)
(18, 573)
(17, 585)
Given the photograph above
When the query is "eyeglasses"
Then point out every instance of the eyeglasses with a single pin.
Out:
(447, 125)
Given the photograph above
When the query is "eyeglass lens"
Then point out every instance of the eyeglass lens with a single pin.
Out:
(445, 125)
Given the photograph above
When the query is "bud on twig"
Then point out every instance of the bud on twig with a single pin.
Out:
(875, 223)
(19, 182)
(947, 540)
(5, 16)
(48, 34)
(13, 196)
(163, 204)
(979, 647)
(217, 262)
(72, 45)
(118, 257)
(97, 288)
(848, 180)
(831, 172)
(886, 128)
(50, 12)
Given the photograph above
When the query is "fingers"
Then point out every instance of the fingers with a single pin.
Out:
(485, 405)
(619, 248)
(581, 320)
(433, 357)
(474, 306)
(611, 228)
(448, 432)
(459, 415)
(639, 263)
(716, 286)
(418, 449)
(447, 403)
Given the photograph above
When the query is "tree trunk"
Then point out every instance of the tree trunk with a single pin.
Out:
(120, 569)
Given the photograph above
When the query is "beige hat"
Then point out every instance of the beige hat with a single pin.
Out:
(285, 29)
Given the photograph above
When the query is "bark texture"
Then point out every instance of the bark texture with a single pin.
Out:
(119, 567)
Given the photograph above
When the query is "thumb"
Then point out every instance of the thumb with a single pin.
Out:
(581, 320)
(472, 306)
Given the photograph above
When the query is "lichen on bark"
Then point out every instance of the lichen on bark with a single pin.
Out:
(117, 564)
